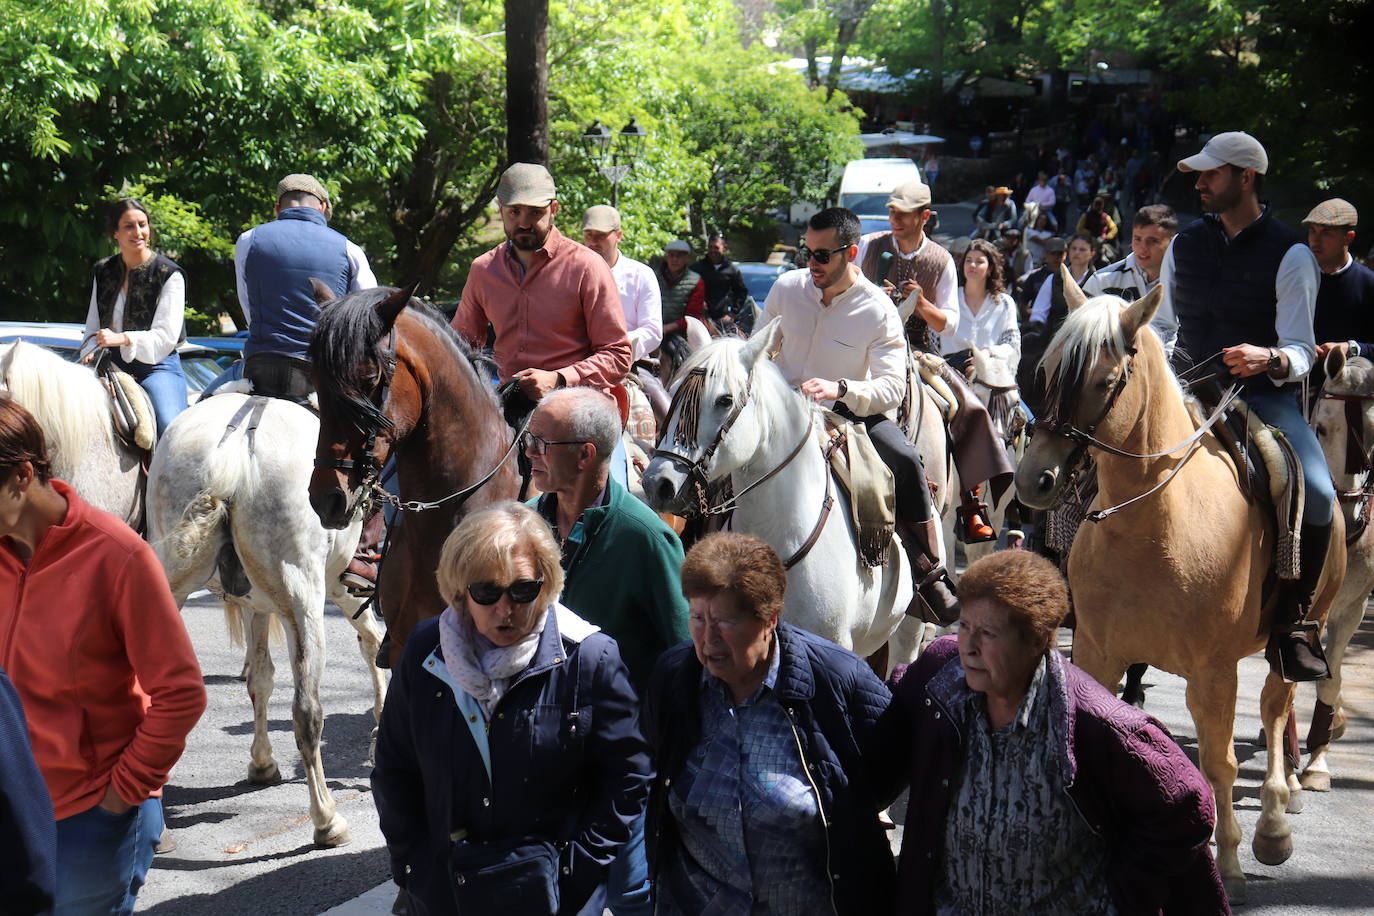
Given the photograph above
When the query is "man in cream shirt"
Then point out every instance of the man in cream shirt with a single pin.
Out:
(842, 344)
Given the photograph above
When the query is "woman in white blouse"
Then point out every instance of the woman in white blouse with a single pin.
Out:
(987, 315)
(138, 300)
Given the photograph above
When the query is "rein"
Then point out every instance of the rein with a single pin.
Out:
(1357, 461)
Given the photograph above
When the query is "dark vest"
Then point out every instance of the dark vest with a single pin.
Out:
(145, 285)
(721, 281)
(283, 256)
(1345, 306)
(1223, 292)
(675, 296)
(926, 269)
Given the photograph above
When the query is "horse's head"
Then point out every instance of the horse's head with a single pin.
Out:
(1086, 368)
(721, 416)
(353, 360)
(1343, 417)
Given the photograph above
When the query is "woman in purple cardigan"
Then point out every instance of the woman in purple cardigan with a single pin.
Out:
(1033, 789)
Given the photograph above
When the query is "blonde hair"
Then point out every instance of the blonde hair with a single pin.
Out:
(484, 547)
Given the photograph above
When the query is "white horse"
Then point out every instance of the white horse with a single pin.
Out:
(829, 590)
(73, 410)
(1349, 386)
(229, 509)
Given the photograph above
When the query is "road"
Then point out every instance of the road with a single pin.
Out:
(246, 850)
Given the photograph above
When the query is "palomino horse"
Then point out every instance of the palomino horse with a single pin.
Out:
(741, 421)
(1344, 423)
(228, 510)
(1174, 579)
(73, 410)
(398, 382)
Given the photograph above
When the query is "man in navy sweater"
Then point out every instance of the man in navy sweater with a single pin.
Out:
(1345, 300)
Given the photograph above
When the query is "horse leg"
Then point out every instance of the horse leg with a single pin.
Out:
(1211, 697)
(1273, 841)
(306, 640)
(1340, 627)
(262, 769)
(369, 642)
(1134, 691)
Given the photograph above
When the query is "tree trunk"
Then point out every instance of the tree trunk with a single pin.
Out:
(939, 14)
(527, 81)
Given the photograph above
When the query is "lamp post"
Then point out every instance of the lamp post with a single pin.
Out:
(614, 154)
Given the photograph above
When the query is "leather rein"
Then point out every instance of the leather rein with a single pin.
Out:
(1357, 460)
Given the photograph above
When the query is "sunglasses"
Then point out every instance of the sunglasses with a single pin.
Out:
(521, 591)
(820, 256)
(537, 446)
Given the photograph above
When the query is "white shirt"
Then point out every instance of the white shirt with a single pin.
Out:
(857, 337)
(641, 302)
(945, 296)
(157, 343)
(1044, 299)
(1044, 196)
(363, 277)
(1295, 292)
(993, 329)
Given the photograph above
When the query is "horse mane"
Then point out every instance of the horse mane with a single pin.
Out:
(68, 401)
(348, 338)
(721, 359)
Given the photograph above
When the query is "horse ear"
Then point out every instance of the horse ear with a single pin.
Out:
(1073, 293)
(1334, 364)
(390, 307)
(765, 342)
(1139, 313)
(322, 292)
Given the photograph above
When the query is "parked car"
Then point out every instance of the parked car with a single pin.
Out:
(228, 350)
(64, 338)
(759, 277)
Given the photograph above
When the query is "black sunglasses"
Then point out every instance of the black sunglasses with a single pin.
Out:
(820, 256)
(537, 446)
(521, 591)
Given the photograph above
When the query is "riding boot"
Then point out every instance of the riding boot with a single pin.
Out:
(973, 527)
(935, 600)
(1295, 650)
(360, 578)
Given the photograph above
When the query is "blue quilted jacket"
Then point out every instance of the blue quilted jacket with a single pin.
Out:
(834, 700)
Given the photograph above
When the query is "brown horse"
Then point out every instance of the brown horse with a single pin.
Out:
(394, 380)
(1174, 579)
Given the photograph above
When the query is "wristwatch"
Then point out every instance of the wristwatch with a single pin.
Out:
(843, 386)
(1275, 361)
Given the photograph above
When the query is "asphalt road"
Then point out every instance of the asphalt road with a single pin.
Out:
(243, 849)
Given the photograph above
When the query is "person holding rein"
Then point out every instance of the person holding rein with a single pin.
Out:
(137, 310)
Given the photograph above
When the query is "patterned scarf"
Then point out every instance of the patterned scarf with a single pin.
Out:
(482, 669)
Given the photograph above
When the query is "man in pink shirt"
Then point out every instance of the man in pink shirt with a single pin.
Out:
(552, 302)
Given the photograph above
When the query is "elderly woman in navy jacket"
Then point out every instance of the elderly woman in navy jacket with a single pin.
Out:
(764, 801)
(509, 717)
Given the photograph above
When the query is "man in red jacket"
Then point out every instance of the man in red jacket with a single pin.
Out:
(95, 645)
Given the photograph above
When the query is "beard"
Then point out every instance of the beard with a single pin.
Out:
(529, 239)
(1222, 200)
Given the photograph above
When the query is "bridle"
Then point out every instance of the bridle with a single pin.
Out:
(1357, 460)
(372, 426)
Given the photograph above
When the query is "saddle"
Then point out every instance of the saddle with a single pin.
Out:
(931, 369)
(129, 406)
(868, 483)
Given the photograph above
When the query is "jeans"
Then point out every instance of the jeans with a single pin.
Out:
(165, 384)
(103, 858)
(232, 374)
(627, 881)
(1280, 409)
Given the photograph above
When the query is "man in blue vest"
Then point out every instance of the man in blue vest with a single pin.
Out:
(1241, 285)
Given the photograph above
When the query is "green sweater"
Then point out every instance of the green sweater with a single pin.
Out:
(624, 579)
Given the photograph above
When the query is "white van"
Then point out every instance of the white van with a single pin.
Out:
(867, 183)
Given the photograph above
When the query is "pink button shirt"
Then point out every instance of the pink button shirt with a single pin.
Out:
(563, 314)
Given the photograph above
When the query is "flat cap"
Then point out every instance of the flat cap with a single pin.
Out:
(1334, 212)
(678, 245)
(305, 184)
(910, 196)
(1235, 147)
(1056, 244)
(526, 184)
(601, 218)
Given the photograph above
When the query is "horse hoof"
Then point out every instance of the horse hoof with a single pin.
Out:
(263, 775)
(1316, 781)
(1272, 850)
(334, 835)
(1295, 802)
(1235, 890)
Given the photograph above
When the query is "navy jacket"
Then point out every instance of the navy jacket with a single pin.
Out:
(28, 833)
(833, 700)
(575, 783)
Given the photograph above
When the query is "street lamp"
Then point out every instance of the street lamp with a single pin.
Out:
(623, 149)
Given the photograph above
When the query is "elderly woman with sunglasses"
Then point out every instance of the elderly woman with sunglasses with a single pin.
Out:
(510, 728)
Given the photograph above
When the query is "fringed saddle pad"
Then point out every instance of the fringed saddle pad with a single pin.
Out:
(140, 430)
(931, 367)
(868, 482)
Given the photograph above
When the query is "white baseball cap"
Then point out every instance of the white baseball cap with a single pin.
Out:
(1235, 147)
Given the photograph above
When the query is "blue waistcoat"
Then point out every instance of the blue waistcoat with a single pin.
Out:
(282, 257)
(1223, 292)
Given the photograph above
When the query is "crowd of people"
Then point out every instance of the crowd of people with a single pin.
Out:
(600, 718)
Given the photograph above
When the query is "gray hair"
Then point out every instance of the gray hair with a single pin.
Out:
(592, 417)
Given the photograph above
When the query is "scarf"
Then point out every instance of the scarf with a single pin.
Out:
(483, 670)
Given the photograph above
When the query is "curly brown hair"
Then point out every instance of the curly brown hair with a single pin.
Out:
(740, 564)
(1026, 584)
(21, 439)
(996, 285)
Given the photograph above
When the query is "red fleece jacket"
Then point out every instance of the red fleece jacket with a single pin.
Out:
(95, 644)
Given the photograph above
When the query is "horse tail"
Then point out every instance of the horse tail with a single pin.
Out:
(204, 524)
(236, 619)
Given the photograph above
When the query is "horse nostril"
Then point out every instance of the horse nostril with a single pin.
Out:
(1047, 480)
(665, 491)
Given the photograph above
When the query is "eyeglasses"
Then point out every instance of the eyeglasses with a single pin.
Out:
(521, 591)
(537, 446)
(820, 256)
